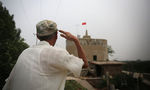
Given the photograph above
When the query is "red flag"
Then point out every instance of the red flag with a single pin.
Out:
(84, 23)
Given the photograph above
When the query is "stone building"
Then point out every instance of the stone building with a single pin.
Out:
(101, 68)
(95, 49)
(97, 55)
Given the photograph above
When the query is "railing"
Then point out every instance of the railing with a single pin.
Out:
(144, 76)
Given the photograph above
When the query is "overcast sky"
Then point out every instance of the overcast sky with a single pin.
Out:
(124, 23)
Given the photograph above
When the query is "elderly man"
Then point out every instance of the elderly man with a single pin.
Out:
(43, 66)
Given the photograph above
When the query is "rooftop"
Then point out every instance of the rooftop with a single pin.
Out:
(107, 63)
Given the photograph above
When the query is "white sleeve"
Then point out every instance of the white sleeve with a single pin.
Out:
(65, 61)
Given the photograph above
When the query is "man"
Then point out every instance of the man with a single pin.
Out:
(44, 67)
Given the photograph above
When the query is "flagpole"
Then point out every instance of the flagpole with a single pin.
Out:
(84, 24)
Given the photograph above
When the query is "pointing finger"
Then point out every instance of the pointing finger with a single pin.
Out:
(62, 35)
(62, 31)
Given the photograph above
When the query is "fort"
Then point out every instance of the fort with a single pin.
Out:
(97, 54)
(95, 49)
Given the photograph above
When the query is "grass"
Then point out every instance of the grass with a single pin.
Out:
(73, 85)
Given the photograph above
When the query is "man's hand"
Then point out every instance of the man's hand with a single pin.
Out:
(81, 53)
(68, 35)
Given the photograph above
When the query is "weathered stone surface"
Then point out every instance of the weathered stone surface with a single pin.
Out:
(95, 49)
(96, 52)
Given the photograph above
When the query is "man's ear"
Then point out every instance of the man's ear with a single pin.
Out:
(56, 35)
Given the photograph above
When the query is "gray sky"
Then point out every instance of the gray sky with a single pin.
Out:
(124, 23)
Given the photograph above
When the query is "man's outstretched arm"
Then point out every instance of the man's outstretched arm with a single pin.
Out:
(81, 53)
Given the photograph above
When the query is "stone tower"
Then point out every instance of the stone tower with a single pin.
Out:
(95, 49)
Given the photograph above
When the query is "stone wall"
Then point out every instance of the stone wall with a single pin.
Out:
(95, 49)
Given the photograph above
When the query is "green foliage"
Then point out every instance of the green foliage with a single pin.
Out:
(110, 50)
(11, 44)
(73, 85)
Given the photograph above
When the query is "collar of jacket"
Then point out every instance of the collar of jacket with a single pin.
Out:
(44, 43)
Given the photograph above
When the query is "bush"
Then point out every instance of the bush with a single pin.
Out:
(73, 85)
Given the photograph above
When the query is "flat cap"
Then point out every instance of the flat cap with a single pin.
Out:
(46, 27)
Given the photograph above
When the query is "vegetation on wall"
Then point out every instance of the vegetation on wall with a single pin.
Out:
(110, 50)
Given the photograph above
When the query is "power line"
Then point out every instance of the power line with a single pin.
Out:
(57, 9)
(40, 8)
(27, 19)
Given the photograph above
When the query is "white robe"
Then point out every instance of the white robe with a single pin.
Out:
(43, 67)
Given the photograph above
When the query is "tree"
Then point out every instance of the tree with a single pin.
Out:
(11, 44)
(110, 50)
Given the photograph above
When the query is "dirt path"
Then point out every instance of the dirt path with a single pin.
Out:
(84, 83)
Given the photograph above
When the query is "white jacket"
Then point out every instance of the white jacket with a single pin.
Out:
(42, 67)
